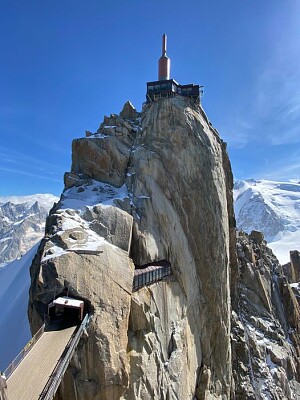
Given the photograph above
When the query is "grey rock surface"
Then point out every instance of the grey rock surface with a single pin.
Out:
(165, 173)
(265, 326)
(155, 186)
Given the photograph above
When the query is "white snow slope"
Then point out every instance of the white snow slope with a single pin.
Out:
(14, 292)
(75, 202)
(272, 208)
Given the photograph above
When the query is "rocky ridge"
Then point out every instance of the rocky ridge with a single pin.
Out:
(265, 325)
(153, 186)
(140, 344)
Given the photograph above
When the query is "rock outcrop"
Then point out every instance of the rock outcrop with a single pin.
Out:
(85, 252)
(144, 187)
(265, 326)
(181, 208)
(292, 269)
(152, 186)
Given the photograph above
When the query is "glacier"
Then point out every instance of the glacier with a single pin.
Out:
(273, 208)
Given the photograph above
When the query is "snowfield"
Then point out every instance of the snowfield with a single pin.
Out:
(73, 206)
(14, 293)
(92, 194)
(272, 208)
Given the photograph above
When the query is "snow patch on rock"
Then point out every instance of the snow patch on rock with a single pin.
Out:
(77, 210)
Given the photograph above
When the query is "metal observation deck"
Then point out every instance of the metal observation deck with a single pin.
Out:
(37, 371)
(170, 88)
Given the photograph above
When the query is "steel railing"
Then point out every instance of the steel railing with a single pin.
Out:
(26, 349)
(149, 275)
(53, 383)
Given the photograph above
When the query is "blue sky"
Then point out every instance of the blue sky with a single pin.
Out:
(64, 64)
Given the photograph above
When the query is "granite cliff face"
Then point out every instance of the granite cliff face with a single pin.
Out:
(178, 164)
(145, 187)
(151, 186)
(265, 325)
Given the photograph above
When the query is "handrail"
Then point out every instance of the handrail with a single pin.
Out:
(53, 383)
(26, 349)
(149, 275)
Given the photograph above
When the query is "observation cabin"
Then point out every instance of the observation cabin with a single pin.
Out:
(166, 87)
(66, 308)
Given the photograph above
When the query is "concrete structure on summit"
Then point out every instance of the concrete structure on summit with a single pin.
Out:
(166, 87)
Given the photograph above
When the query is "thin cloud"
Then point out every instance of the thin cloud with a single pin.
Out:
(286, 136)
(273, 116)
(237, 141)
(283, 169)
(54, 147)
(278, 101)
(30, 174)
(26, 165)
(18, 158)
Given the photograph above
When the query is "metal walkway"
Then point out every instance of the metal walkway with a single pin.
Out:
(151, 273)
(36, 372)
(39, 374)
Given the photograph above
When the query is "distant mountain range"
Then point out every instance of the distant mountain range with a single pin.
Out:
(22, 222)
(267, 206)
(272, 208)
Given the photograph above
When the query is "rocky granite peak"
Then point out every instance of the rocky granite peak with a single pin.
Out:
(265, 325)
(150, 187)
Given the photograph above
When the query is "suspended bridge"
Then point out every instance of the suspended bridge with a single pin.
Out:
(40, 372)
(37, 371)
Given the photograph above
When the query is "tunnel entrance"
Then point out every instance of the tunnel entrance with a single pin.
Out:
(66, 308)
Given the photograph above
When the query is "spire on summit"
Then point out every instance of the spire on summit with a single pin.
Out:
(166, 87)
(164, 62)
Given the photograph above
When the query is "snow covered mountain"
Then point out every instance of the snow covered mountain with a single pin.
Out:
(22, 221)
(272, 208)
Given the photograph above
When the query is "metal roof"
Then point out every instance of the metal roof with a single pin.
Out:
(68, 302)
